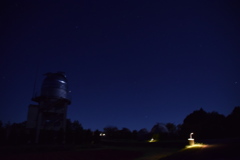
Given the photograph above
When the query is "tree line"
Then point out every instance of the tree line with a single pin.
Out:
(204, 125)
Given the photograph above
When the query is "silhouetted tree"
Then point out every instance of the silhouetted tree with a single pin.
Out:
(7, 129)
(96, 137)
(125, 133)
(111, 132)
(171, 127)
(17, 134)
(2, 134)
(134, 134)
(194, 122)
(69, 132)
(88, 136)
(204, 125)
(214, 126)
(172, 131)
(143, 134)
(76, 126)
(233, 122)
(74, 132)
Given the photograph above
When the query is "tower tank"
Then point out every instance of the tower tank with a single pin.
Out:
(55, 85)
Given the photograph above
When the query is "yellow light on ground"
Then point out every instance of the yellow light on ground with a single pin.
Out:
(197, 145)
(152, 140)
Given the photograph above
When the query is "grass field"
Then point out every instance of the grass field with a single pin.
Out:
(108, 151)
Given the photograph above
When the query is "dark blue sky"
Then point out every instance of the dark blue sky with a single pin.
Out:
(129, 63)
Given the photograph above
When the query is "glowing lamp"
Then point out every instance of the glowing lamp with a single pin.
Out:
(102, 134)
(152, 140)
(191, 140)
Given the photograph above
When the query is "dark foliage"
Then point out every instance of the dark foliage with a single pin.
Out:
(204, 126)
(233, 122)
(211, 125)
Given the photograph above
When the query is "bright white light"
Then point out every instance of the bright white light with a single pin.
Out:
(152, 140)
(61, 81)
(102, 134)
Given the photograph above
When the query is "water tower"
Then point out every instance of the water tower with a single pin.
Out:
(51, 111)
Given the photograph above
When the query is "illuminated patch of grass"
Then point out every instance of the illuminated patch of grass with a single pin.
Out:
(196, 145)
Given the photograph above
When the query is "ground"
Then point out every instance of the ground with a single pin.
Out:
(142, 151)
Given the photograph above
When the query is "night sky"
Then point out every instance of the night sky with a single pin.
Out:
(129, 63)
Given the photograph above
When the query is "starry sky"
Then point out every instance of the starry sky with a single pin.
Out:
(129, 63)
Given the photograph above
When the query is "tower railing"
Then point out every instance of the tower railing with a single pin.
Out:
(37, 97)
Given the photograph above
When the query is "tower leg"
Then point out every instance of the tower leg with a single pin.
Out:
(64, 124)
(39, 119)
